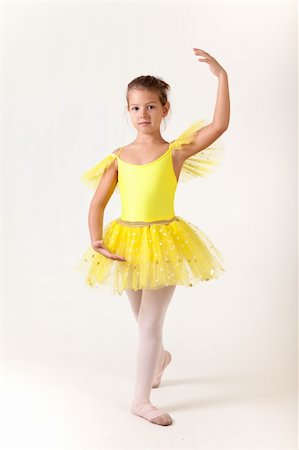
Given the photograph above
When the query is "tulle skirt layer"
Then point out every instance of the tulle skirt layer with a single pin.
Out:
(157, 255)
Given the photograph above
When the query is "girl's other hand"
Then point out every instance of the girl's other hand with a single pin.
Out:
(215, 67)
(99, 247)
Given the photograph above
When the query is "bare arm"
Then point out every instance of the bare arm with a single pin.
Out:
(222, 107)
(208, 134)
(95, 222)
(99, 201)
(97, 208)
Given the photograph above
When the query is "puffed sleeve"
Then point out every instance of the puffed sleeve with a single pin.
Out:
(203, 162)
(92, 176)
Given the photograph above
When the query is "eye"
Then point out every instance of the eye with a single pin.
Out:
(136, 107)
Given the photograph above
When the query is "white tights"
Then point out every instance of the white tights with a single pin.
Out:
(149, 307)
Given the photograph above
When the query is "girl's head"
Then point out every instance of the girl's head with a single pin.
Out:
(147, 101)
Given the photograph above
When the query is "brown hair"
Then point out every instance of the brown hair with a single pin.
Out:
(150, 83)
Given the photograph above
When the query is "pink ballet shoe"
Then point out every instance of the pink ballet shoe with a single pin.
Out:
(152, 414)
(157, 378)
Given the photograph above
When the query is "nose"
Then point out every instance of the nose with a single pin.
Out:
(143, 113)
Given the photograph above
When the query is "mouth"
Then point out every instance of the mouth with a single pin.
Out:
(144, 123)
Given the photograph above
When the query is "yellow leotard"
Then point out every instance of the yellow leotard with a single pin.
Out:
(147, 191)
(160, 247)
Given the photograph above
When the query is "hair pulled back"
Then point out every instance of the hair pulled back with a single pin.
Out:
(150, 83)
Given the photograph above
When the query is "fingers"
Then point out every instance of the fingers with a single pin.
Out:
(199, 50)
(115, 256)
(107, 254)
(103, 251)
(119, 258)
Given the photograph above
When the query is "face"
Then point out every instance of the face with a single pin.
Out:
(145, 106)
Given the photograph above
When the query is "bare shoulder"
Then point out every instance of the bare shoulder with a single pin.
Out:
(115, 161)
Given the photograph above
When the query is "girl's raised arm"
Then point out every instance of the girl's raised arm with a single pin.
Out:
(208, 134)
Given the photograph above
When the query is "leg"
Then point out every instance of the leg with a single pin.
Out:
(154, 304)
(135, 302)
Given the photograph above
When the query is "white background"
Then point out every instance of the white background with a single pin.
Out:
(68, 353)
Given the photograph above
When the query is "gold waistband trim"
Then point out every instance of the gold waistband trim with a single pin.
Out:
(142, 224)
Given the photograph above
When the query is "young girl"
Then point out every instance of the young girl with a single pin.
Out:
(149, 250)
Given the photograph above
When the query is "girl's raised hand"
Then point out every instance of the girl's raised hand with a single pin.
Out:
(215, 67)
(99, 247)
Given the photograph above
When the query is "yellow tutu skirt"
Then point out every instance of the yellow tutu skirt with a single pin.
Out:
(157, 255)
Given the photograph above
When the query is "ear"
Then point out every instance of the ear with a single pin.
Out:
(166, 108)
